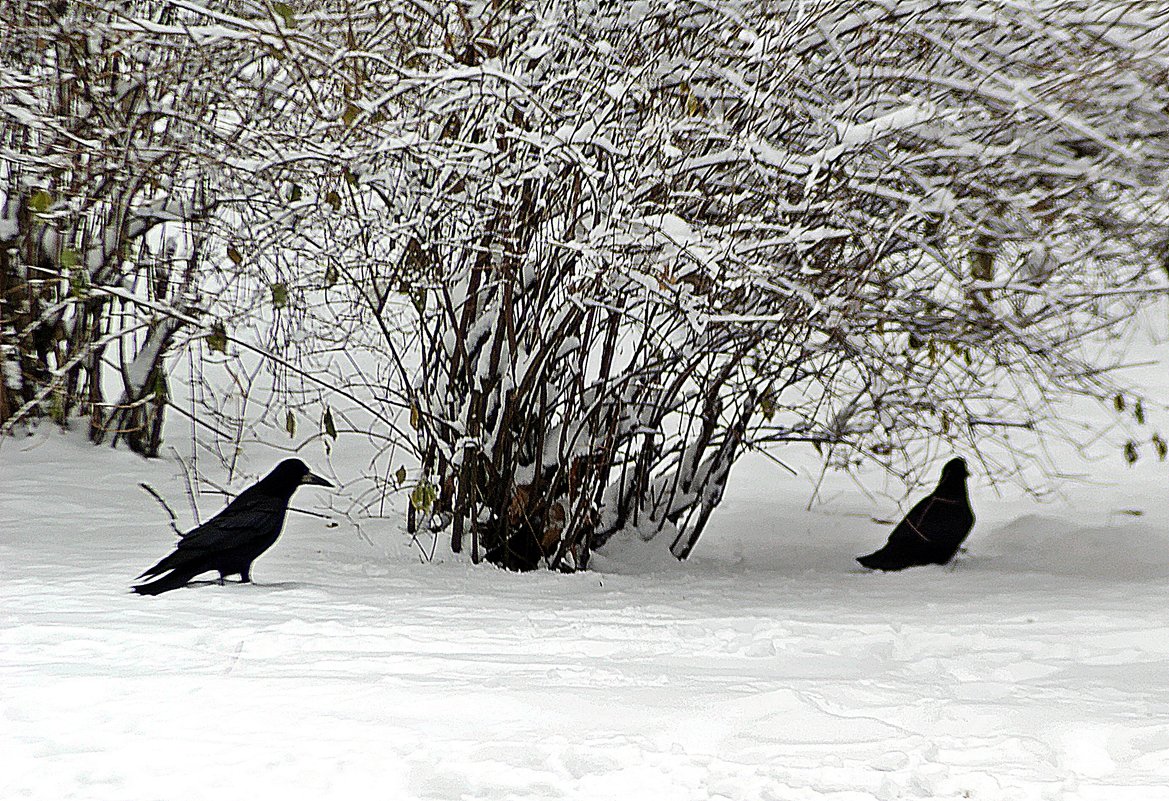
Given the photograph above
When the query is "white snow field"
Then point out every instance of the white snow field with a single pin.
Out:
(768, 667)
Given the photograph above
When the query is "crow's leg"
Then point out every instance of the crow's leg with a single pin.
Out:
(245, 575)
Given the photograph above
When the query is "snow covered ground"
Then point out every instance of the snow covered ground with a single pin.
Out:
(769, 667)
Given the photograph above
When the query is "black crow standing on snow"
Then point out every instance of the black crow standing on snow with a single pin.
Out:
(231, 541)
(933, 530)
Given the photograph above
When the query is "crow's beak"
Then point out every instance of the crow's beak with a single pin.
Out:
(313, 478)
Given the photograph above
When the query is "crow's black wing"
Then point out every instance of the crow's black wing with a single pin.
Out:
(949, 524)
(249, 517)
(913, 527)
(934, 529)
(906, 542)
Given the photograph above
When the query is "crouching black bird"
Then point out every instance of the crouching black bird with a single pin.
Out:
(231, 541)
(933, 530)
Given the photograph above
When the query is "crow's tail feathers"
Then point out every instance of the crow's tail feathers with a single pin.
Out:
(171, 581)
(168, 562)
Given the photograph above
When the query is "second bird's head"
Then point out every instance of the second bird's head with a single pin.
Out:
(955, 468)
(292, 473)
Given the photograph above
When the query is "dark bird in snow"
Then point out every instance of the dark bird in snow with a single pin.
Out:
(231, 541)
(933, 530)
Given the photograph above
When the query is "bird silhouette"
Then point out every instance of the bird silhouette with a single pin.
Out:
(231, 541)
(933, 530)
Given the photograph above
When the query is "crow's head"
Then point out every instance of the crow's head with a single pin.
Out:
(291, 473)
(955, 468)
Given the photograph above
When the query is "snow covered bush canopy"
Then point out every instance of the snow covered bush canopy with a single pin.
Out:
(658, 233)
(604, 247)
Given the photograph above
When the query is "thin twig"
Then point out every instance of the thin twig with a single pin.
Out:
(190, 489)
(173, 517)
